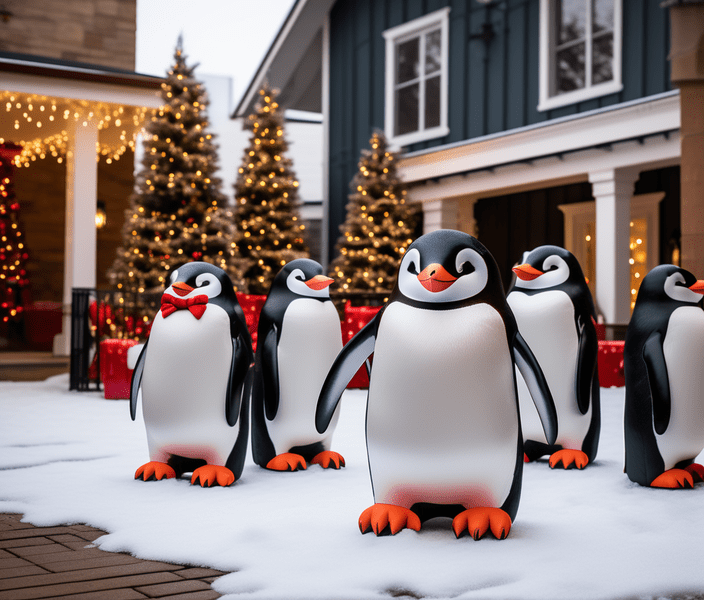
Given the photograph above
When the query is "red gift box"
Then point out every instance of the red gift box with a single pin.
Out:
(610, 360)
(251, 305)
(115, 373)
(357, 317)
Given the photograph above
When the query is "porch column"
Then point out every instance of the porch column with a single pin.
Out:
(439, 214)
(612, 189)
(80, 235)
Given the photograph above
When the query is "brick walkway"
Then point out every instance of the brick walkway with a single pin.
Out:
(61, 562)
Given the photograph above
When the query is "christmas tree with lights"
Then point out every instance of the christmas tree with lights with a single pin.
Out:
(379, 226)
(14, 284)
(177, 213)
(266, 198)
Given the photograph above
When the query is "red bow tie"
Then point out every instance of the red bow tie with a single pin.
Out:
(196, 304)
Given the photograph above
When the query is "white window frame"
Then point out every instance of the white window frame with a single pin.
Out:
(547, 67)
(402, 33)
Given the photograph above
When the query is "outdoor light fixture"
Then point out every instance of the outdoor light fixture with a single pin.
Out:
(101, 217)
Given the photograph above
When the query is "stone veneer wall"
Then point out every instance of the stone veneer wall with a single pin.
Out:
(100, 32)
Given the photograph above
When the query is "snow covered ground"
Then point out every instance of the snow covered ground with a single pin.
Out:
(69, 457)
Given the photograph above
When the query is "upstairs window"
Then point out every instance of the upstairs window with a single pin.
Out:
(580, 50)
(416, 79)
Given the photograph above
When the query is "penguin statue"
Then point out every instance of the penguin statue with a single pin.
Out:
(664, 373)
(443, 427)
(192, 377)
(299, 337)
(555, 315)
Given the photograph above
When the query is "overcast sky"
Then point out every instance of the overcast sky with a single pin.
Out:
(225, 37)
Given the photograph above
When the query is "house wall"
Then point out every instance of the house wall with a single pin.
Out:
(94, 31)
(492, 88)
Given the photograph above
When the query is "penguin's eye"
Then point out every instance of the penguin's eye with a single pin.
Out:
(466, 268)
(412, 269)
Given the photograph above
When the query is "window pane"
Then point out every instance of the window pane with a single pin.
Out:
(406, 110)
(602, 59)
(603, 16)
(432, 52)
(407, 65)
(432, 102)
(570, 69)
(571, 20)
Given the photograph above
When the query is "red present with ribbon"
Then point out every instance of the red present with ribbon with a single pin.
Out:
(252, 305)
(115, 373)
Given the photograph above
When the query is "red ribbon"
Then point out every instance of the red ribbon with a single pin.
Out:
(196, 304)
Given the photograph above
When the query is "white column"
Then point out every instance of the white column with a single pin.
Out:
(439, 214)
(612, 190)
(80, 234)
(325, 104)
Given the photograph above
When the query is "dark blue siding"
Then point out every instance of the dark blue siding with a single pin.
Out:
(492, 87)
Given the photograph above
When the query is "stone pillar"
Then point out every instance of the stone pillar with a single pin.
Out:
(80, 235)
(687, 61)
(612, 189)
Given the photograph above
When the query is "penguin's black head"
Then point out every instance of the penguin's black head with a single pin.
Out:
(303, 277)
(666, 284)
(548, 267)
(196, 278)
(448, 267)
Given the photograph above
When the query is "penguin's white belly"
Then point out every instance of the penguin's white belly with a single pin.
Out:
(546, 322)
(311, 339)
(442, 420)
(683, 348)
(184, 386)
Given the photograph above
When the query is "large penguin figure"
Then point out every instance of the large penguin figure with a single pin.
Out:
(555, 314)
(664, 372)
(443, 427)
(192, 374)
(299, 337)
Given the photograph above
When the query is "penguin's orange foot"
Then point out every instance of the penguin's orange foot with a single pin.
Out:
(210, 475)
(673, 479)
(568, 459)
(329, 459)
(287, 462)
(696, 471)
(155, 471)
(388, 518)
(477, 521)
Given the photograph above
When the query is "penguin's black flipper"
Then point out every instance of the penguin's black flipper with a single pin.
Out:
(270, 370)
(659, 381)
(241, 359)
(586, 361)
(137, 380)
(537, 386)
(352, 356)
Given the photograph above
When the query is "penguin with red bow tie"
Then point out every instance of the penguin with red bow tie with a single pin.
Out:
(193, 378)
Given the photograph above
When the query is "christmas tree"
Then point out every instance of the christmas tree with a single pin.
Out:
(379, 225)
(266, 198)
(14, 284)
(177, 212)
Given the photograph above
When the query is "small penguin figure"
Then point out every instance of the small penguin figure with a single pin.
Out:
(299, 337)
(193, 377)
(555, 314)
(443, 426)
(664, 372)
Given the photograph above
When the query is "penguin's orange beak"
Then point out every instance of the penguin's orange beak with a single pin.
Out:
(698, 286)
(319, 282)
(182, 289)
(435, 278)
(526, 272)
